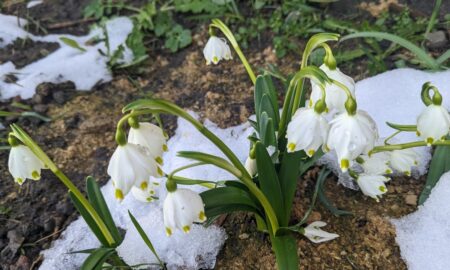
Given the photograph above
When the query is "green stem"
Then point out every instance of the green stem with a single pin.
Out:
(227, 32)
(401, 146)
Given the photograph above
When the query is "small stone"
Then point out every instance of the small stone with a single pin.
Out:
(59, 97)
(411, 199)
(315, 216)
(436, 39)
(244, 236)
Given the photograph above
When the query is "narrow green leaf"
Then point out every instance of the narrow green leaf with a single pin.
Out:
(324, 200)
(89, 220)
(96, 259)
(97, 200)
(289, 174)
(440, 164)
(420, 53)
(211, 159)
(268, 181)
(411, 128)
(267, 131)
(444, 57)
(264, 86)
(72, 43)
(145, 238)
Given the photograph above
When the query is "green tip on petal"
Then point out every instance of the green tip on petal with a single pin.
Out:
(215, 60)
(291, 147)
(160, 172)
(165, 148)
(345, 164)
(159, 160)
(35, 175)
(202, 216)
(19, 181)
(408, 173)
(418, 133)
(144, 185)
(118, 194)
(429, 141)
(311, 153)
(382, 189)
(186, 229)
(388, 171)
(168, 231)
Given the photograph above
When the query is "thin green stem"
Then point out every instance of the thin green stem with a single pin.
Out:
(227, 32)
(386, 142)
(26, 139)
(401, 146)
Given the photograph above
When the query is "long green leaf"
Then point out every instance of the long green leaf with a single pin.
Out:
(96, 259)
(266, 130)
(285, 248)
(264, 86)
(145, 238)
(89, 220)
(228, 199)
(98, 202)
(420, 53)
(268, 180)
(440, 164)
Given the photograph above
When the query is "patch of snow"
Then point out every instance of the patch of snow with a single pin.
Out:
(394, 96)
(11, 29)
(34, 3)
(84, 69)
(424, 236)
(195, 250)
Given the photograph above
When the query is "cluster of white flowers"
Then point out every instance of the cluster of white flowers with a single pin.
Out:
(352, 135)
(133, 163)
(135, 166)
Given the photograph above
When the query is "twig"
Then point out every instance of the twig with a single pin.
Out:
(60, 25)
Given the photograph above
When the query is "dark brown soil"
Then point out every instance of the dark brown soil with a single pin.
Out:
(80, 140)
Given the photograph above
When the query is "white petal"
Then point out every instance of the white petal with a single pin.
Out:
(433, 123)
(149, 136)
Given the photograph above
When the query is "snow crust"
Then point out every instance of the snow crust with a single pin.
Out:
(424, 236)
(84, 69)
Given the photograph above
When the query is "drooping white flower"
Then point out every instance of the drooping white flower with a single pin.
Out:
(131, 165)
(433, 123)
(317, 235)
(24, 164)
(403, 160)
(181, 208)
(216, 49)
(372, 185)
(307, 131)
(351, 136)
(335, 96)
(151, 137)
(250, 166)
(148, 192)
(376, 164)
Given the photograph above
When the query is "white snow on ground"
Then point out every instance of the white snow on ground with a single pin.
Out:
(394, 96)
(424, 236)
(198, 249)
(84, 69)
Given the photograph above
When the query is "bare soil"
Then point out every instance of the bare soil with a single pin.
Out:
(80, 140)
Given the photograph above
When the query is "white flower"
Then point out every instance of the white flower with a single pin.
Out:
(151, 137)
(307, 131)
(351, 136)
(335, 96)
(372, 185)
(131, 165)
(148, 192)
(376, 164)
(181, 208)
(433, 123)
(403, 160)
(23, 164)
(216, 49)
(250, 166)
(316, 235)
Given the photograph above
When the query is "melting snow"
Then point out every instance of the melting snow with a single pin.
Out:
(424, 236)
(84, 69)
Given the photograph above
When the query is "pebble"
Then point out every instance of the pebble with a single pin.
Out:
(436, 40)
(244, 236)
(411, 199)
